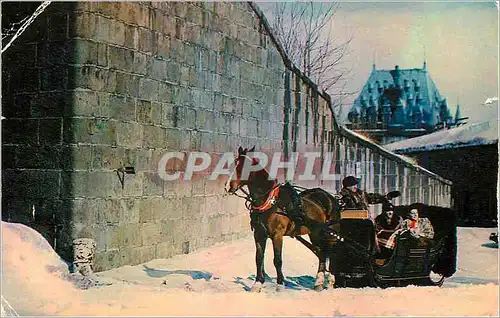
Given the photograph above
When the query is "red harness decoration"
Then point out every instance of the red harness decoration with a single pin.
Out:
(270, 201)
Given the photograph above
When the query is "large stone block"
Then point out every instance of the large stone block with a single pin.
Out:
(84, 25)
(156, 109)
(133, 185)
(173, 72)
(30, 184)
(107, 259)
(129, 135)
(88, 77)
(168, 115)
(154, 137)
(145, 210)
(174, 206)
(163, 46)
(157, 69)
(117, 30)
(168, 25)
(207, 99)
(121, 58)
(212, 205)
(126, 84)
(192, 207)
(8, 157)
(111, 158)
(132, 234)
(178, 188)
(50, 131)
(75, 157)
(88, 52)
(26, 80)
(148, 89)
(164, 250)
(142, 254)
(104, 210)
(205, 120)
(176, 50)
(98, 184)
(166, 92)
(195, 141)
(109, 9)
(192, 33)
(150, 234)
(179, 117)
(159, 206)
(84, 103)
(168, 230)
(79, 130)
(146, 40)
(103, 29)
(194, 15)
(144, 112)
(129, 210)
(25, 54)
(152, 184)
(39, 157)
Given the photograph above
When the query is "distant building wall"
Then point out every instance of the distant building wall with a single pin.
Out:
(93, 87)
(474, 173)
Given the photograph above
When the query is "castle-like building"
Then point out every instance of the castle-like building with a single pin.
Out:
(400, 104)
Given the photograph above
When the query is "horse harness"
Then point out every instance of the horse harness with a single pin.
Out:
(272, 203)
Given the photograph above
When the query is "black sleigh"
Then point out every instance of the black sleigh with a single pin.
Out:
(413, 261)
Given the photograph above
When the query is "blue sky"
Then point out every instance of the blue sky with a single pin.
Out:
(458, 39)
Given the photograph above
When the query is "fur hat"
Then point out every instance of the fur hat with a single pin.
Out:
(349, 181)
(387, 206)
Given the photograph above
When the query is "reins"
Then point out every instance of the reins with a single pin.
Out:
(250, 200)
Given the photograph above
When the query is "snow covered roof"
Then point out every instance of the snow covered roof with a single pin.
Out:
(389, 153)
(473, 134)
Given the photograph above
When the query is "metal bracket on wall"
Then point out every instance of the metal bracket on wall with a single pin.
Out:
(121, 174)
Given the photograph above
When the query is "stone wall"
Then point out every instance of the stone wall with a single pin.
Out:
(93, 87)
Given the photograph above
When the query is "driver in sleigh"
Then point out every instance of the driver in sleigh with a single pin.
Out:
(355, 198)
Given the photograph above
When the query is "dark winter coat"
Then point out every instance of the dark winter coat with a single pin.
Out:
(360, 199)
(382, 222)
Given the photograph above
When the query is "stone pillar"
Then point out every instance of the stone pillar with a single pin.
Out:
(83, 260)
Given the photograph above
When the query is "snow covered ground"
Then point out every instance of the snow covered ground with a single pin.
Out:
(215, 282)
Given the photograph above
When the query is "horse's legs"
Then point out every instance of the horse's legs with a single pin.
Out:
(278, 261)
(332, 266)
(260, 248)
(320, 275)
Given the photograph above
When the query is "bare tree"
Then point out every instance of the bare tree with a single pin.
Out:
(17, 17)
(305, 30)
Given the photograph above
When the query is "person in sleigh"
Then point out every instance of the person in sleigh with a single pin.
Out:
(386, 225)
(415, 226)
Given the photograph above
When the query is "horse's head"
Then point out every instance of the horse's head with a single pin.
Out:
(237, 180)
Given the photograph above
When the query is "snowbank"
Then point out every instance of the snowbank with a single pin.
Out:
(32, 272)
(214, 282)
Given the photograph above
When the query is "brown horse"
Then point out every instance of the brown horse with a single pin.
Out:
(274, 209)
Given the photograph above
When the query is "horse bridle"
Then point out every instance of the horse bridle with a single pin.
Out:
(241, 185)
(248, 197)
